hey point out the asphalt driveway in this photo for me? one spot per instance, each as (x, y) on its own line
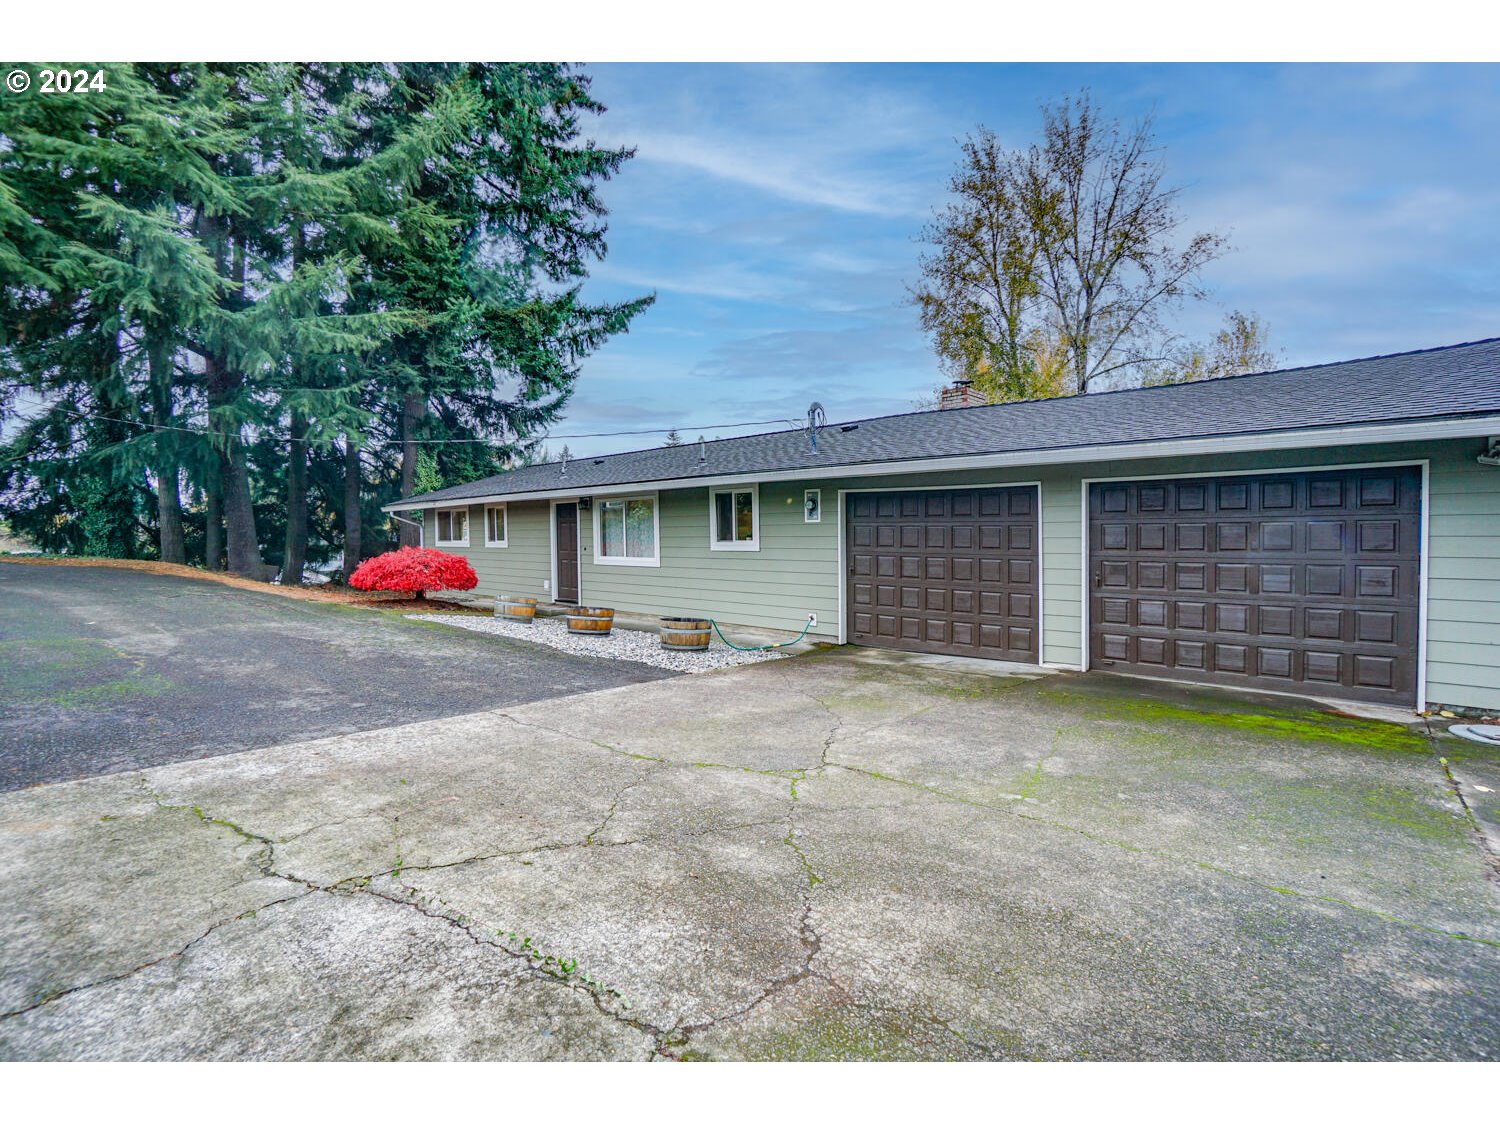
(105, 670)
(835, 856)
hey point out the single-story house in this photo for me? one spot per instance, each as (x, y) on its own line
(1327, 531)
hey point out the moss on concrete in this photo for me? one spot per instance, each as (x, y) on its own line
(843, 1035)
(1224, 715)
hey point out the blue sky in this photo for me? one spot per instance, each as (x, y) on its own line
(776, 211)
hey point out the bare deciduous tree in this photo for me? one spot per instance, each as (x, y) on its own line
(1053, 266)
(1241, 347)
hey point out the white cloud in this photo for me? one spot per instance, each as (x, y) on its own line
(781, 172)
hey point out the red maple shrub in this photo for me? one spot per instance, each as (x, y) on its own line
(414, 570)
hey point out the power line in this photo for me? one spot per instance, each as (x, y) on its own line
(439, 441)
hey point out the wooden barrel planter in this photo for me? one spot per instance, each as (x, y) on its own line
(512, 608)
(590, 621)
(685, 634)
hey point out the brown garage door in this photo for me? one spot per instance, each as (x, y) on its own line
(1306, 582)
(950, 571)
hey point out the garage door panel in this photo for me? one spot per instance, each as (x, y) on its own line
(1277, 580)
(968, 566)
(1278, 621)
(1191, 615)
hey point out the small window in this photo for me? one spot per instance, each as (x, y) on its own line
(625, 530)
(453, 527)
(734, 519)
(494, 525)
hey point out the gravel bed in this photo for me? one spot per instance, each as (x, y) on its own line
(621, 644)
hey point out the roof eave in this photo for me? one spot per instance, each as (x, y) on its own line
(1365, 433)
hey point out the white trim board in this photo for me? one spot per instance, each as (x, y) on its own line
(504, 540)
(597, 556)
(437, 539)
(751, 544)
(1041, 558)
(1312, 438)
(1085, 640)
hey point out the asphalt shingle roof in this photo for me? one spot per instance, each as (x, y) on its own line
(1455, 381)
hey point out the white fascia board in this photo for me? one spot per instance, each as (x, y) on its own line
(1366, 434)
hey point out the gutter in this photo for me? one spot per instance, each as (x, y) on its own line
(421, 531)
(1361, 434)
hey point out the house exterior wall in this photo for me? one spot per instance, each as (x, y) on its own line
(794, 573)
(796, 570)
(1462, 562)
(518, 568)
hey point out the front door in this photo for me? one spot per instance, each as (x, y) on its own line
(567, 552)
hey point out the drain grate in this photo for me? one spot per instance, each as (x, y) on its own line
(1489, 735)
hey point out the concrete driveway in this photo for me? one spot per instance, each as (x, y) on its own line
(106, 670)
(833, 856)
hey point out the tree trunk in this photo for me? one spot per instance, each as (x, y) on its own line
(239, 510)
(109, 522)
(294, 553)
(353, 514)
(170, 539)
(225, 383)
(213, 492)
(239, 514)
(296, 503)
(413, 410)
(169, 516)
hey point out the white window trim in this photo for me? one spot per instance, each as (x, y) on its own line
(597, 554)
(438, 539)
(502, 541)
(808, 493)
(751, 544)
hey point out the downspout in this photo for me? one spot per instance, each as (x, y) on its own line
(413, 522)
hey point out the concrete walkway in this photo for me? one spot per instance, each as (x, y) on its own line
(819, 857)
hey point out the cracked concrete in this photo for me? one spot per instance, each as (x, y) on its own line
(813, 858)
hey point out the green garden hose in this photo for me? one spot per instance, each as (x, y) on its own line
(759, 648)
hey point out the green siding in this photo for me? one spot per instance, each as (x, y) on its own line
(1463, 564)
(794, 573)
(1463, 580)
(519, 568)
(796, 570)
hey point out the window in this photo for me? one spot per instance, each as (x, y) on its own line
(452, 527)
(734, 519)
(494, 525)
(625, 531)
